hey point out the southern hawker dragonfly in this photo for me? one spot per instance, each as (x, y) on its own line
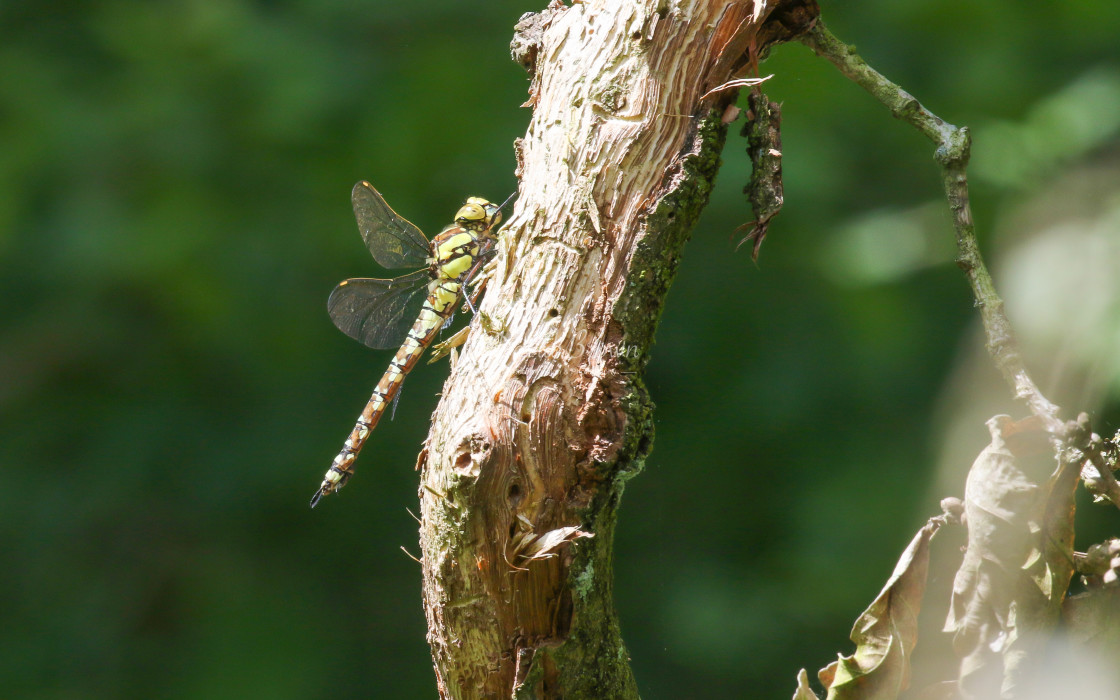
(407, 311)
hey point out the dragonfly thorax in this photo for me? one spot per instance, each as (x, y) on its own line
(456, 249)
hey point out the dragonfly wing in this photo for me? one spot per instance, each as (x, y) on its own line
(392, 240)
(378, 313)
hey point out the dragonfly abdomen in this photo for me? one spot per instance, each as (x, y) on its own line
(443, 294)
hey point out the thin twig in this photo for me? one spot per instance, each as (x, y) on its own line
(953, 150)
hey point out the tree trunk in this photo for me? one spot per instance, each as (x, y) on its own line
(545, 416)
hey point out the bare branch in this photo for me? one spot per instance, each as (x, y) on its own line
(953, 151)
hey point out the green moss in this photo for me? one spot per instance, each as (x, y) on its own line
(657, 258)
(585, 580)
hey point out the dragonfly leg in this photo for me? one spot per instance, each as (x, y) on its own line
(441, 350)
(477, 280)
(396, 400)
(484, 263)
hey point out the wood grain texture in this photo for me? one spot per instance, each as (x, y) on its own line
(540, 425)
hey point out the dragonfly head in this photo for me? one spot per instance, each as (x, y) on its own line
(478, 214)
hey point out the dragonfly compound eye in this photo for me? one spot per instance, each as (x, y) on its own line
(475, 212)
(470, 213)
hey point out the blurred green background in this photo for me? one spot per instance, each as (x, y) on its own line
(174, 182)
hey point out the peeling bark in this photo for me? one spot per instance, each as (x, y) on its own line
(545, 416)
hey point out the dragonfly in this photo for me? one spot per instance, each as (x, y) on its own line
(405, 312)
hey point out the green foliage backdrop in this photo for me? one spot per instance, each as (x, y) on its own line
(174, 183)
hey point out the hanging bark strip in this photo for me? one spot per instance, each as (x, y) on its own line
(764, 146)
(541, 423)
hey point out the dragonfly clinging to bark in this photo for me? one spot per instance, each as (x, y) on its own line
(406, 311)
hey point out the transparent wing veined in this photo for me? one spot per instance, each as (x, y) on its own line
(378, 313)
(393, 240)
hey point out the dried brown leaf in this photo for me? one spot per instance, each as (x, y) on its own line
(1007, 574)
(804, 692)
(886, 633)
(942, 690)
(545, 546)
(1092, 619)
